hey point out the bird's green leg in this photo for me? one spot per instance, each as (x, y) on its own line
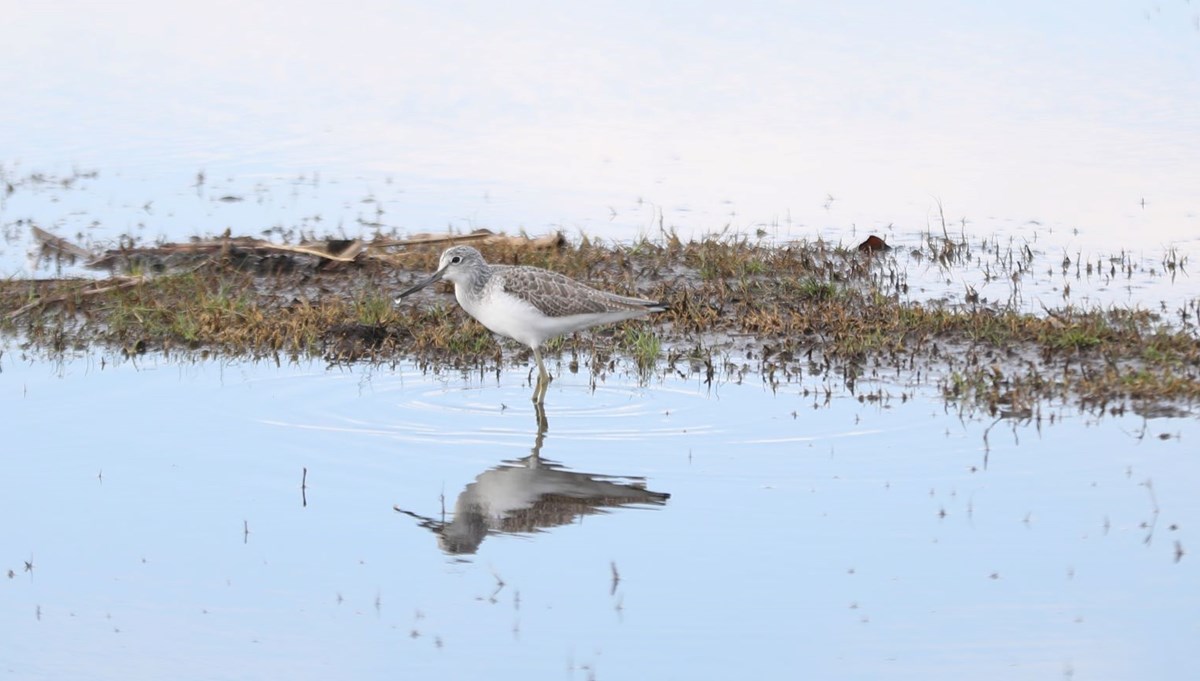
(543, 382)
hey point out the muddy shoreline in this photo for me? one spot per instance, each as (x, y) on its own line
(739, 310)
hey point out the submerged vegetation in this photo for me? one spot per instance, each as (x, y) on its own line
(808, 315)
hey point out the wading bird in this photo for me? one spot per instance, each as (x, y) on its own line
(529, 304)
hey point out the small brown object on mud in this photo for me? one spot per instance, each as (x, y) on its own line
(873, 244)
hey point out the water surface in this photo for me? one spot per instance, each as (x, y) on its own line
(162, 509)
(1075, 120)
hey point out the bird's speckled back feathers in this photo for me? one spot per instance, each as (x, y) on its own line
(556, 295)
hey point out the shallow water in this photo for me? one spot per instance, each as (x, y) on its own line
(1075, 121)
(162, 509)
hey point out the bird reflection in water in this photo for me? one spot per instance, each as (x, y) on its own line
(529, 495)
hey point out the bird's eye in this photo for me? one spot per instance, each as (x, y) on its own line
(456, 259)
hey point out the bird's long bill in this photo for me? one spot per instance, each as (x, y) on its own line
(435, 277)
